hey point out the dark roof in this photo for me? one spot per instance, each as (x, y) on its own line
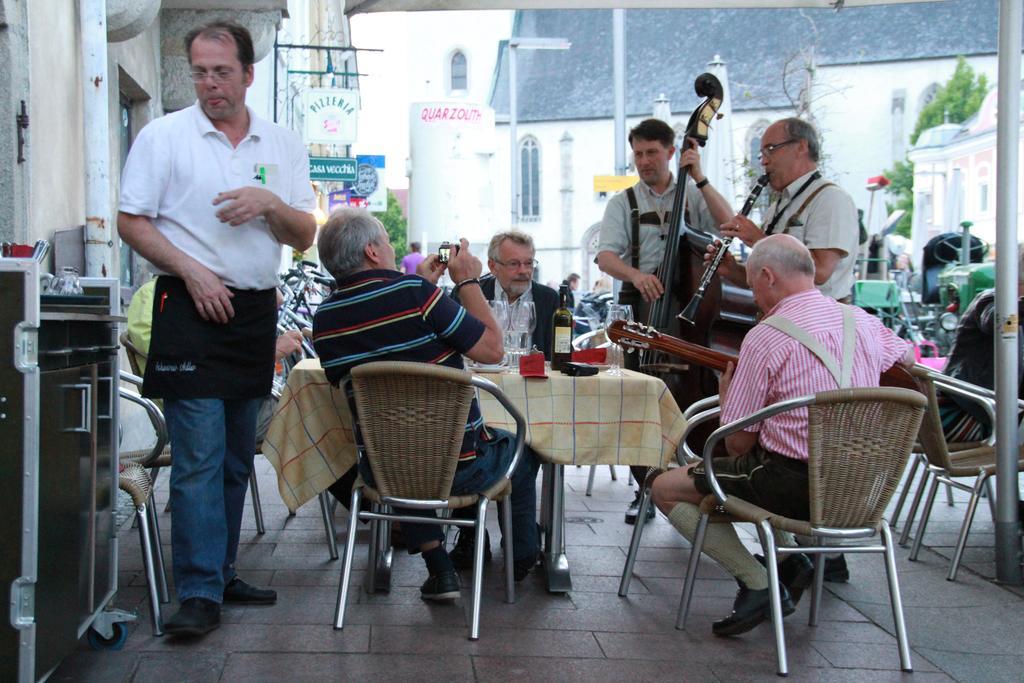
(667, 49)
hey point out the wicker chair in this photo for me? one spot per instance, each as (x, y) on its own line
(858, 442)
(945, 465)
(412, 418)
(134, 478)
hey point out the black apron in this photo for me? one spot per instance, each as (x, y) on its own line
(192, 358)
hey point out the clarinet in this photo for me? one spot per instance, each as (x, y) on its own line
(689, 313)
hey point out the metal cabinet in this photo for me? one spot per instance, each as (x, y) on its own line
(58, 467)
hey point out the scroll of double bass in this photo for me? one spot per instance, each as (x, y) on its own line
(644, 338)
(708, 87)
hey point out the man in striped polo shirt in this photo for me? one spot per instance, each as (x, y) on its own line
(378, 314)
(767, 462)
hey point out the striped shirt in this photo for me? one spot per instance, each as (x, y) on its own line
(382, 315)
(775, 367)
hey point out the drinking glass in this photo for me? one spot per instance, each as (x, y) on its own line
(522, 323)
(66, 283)
(615, 352)
(500, 311)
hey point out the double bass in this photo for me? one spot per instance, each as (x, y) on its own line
(727, 313)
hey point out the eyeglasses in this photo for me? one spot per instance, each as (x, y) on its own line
(217, 75)
(767, 150)
(516, 265)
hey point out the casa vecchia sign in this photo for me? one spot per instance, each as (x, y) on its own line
(331, 115)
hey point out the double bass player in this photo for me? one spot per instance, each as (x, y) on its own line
(633, 256)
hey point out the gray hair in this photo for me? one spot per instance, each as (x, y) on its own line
(344, 238)
(511, 235)
(798, 129)
(784, 254)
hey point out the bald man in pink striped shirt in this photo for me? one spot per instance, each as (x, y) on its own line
(767, 462)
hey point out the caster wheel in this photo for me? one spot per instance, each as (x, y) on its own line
(115, 642)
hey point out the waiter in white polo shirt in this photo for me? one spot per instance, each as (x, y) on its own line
(209, 196)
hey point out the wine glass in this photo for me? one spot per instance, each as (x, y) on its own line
(522, 324)
(615, 353)
(501, 313)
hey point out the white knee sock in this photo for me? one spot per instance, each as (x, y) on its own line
(723, 546)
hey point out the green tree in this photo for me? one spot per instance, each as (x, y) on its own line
(956, 101)
(396, 225)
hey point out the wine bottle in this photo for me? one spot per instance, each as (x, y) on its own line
(561, 324)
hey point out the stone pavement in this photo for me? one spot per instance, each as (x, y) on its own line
(970, 630)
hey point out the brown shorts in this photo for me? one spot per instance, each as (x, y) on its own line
(772, 481)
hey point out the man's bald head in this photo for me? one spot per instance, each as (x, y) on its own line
(779, 266)
(784, 254)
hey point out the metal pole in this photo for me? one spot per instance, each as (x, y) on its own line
(274, 67)
(1008, 540)
(513, 153)
(619, 78)
(99, 241)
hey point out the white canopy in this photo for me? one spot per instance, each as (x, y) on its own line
(357, 6)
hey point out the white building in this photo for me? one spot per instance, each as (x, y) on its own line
(955, 177)
(867, 84)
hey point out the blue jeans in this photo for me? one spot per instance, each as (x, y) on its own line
(476, 476)
(213, 442)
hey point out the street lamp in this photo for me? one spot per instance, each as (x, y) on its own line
(513, 45)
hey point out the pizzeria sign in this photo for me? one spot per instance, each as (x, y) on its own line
(330, 115)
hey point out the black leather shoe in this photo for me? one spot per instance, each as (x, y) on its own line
(195, 618)
(521, 568)
(441, 586)
(796, 573)
(750, 609)
(634, 509)
(238, 592)
(465, 545)
(836, 570)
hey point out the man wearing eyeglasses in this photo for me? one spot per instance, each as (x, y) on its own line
(816, 211)
(209, 195)
(510, 258)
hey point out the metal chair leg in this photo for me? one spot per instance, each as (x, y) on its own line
(896, 600)
(908, 481)
(915, 505)
(949, 495)
(926, 514)
(257, 505)
(990, 493)
(691, 571)
(157, 550)
(329, 529)
(634, 542)
(590, 479)
(505, 509)
(147, 563)
(346, 563)
(370, 579)
(816, 588)
(478, 566)
(764, 531)
(611, 470)
(965, 528)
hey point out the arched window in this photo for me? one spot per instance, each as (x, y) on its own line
(529, 179)
(458, 78)
(927, 95)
